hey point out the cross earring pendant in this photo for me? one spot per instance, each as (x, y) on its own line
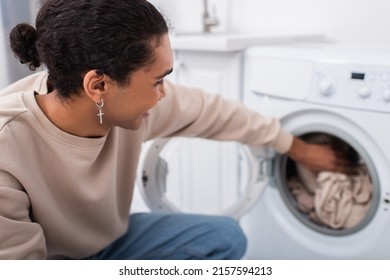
(100, 107)
(100, 115)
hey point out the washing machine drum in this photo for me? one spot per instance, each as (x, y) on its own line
(329, 202)
(201, 176)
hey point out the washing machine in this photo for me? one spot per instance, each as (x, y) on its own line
(341, 93)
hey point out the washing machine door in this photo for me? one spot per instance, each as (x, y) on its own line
(202, 176)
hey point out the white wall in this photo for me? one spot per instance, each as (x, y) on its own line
(11, 13)
(364, 22)
(186, 15)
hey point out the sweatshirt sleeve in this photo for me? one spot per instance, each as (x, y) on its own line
(20, 238)
(191, 112)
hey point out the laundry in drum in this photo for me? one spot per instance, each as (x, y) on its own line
(331, 199)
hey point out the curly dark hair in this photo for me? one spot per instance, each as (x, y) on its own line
(114, 37)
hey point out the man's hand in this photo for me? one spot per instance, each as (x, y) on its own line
(319, 157)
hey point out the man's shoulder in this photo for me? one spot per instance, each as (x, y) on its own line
(35, 82)
(10, 107)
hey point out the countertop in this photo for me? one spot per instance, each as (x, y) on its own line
(230, 42)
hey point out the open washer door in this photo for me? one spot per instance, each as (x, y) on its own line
(202, 176)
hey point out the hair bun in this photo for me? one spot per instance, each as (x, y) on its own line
(22, 40)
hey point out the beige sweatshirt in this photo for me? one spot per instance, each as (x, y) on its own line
(63, 196)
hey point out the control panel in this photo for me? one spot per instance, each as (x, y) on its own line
(357, 86)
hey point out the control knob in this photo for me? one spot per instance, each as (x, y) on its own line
(386, 95)
(326, 87)
(364, 92)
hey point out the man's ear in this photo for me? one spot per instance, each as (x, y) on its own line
(95, 85)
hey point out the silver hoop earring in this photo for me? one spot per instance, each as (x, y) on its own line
(100, 107)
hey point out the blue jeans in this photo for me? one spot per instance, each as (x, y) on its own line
(176, 237)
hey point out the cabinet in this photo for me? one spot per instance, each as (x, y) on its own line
(215, 72)
(204, 176)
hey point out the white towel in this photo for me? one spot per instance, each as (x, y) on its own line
(332, 199)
